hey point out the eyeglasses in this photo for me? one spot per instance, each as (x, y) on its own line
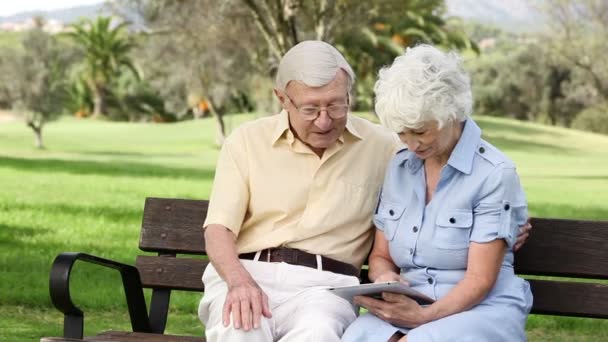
(311, 113)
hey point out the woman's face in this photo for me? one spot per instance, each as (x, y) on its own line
(429, 141)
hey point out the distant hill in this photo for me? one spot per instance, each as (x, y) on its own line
(509, 15)
(66, 15)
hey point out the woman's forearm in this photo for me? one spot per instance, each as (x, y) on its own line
(466, 294)
(379, 265)
(484, 264)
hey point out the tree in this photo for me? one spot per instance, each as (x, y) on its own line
(577, 35)
(388, 25)
(387, 29)
(107, 54)
(37, 83)
(216, 57)
(210, 57)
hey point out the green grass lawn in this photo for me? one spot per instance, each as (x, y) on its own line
(10, 39)
(86, 192)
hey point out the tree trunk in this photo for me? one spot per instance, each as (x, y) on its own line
(221, 127)
(37, 133)
(99, 101)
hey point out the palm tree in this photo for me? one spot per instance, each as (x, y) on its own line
(106, 56)
(392, 26)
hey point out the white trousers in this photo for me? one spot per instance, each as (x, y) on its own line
(302, 310)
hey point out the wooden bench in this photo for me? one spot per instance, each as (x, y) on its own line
(561, 248)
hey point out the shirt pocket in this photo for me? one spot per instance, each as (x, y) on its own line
(453, 229)
(389, 214)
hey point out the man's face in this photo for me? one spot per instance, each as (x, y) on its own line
(322, 132)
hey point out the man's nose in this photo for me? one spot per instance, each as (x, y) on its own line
(323, 122)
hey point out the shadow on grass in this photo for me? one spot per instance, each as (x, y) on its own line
(113, 214)
(135, 154)
(114, 168)
(568, 211)
(12, 236)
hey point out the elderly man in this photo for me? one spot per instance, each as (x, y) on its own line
(291, 208)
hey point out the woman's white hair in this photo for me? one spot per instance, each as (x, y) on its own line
(423, 85)
(314, 63)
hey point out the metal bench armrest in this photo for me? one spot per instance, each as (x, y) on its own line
(59, 287)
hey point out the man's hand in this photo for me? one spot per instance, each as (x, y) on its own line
(247, 302)
(396, 309)
(524, 233)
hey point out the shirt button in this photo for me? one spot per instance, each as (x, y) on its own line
(452, 220)
(415, 229)
(411, 251)
(482, 149)
(391, 212)
(430, 280)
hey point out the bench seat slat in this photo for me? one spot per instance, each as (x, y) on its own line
(570, 298)
(127, 336)
(565, 248)
(173, 226)
(171, 273)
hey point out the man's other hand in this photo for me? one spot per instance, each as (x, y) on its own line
(247, 303)
(524, 233)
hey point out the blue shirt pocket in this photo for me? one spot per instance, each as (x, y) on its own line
(453, 229)
(388, 217)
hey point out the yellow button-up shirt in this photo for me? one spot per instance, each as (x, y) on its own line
(272, 190)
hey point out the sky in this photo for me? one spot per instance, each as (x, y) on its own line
(10, 7)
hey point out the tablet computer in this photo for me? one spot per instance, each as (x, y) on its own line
(376, 289)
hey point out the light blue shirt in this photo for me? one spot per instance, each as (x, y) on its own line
(478, 198)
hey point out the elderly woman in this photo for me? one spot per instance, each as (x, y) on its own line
(447, 216)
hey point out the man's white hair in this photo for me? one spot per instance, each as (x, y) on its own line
(423, 85)
(314, 63)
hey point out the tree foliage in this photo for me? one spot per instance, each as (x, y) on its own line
(34, 78)
(209, 59)
(106, 55)
(577, 35)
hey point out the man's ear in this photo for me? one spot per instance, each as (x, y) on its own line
(281, 97)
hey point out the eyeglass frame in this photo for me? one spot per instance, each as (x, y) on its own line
(315, 116)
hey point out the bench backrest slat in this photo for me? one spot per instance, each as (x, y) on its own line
(171, 273)
(556, 247)
(570, 298)
(173, 226)
(565, 248)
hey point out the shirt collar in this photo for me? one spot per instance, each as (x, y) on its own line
(461, 157)
(282, 129)
(464, 152)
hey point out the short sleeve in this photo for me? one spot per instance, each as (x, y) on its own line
(378, 219)
(501, 208)
(230, 193)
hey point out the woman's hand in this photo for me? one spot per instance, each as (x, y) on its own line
(396, 309)
(390, 276)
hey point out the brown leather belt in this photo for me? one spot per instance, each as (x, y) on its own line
(298, 257)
